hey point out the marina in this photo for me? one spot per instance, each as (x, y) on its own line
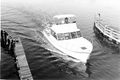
(37, 54)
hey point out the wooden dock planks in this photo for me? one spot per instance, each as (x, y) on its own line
(24, 72)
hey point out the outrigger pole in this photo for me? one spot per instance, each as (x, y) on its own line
(45, 15)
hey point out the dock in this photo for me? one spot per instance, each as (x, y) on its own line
(17, 53)
(24, 72)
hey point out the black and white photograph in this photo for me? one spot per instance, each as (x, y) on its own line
(60, 40)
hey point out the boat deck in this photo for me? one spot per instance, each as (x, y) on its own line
(107, 30)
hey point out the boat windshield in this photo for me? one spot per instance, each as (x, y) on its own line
(53, 34)
(60, 36)
(70, 35)
(64, 20)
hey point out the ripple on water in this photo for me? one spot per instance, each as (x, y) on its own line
(43, 58)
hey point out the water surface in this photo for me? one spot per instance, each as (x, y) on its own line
(23, 16)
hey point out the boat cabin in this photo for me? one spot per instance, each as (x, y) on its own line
(65, 28)
(66, 36)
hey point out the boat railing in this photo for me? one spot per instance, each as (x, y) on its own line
(111, 32)
(101, 26)
(107, 30)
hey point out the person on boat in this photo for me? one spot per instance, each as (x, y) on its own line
(66, 20)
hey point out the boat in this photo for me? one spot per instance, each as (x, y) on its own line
(64, 35)
(107, 31)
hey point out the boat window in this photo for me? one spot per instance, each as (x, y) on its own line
(74, 35)
(60, 36)
(53, 34)
(67, 36)
(58, 21)
(79, 34)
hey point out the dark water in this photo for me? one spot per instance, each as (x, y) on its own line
(23, 16)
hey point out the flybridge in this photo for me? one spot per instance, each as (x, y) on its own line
(64, 16)
(64, 27)
(64, 19)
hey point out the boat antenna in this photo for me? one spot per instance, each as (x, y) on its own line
(45, 15)
(56, 8)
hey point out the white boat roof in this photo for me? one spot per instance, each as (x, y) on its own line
(64, 28)
(64, 15)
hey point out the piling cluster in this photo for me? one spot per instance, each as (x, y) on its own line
(8, 44)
